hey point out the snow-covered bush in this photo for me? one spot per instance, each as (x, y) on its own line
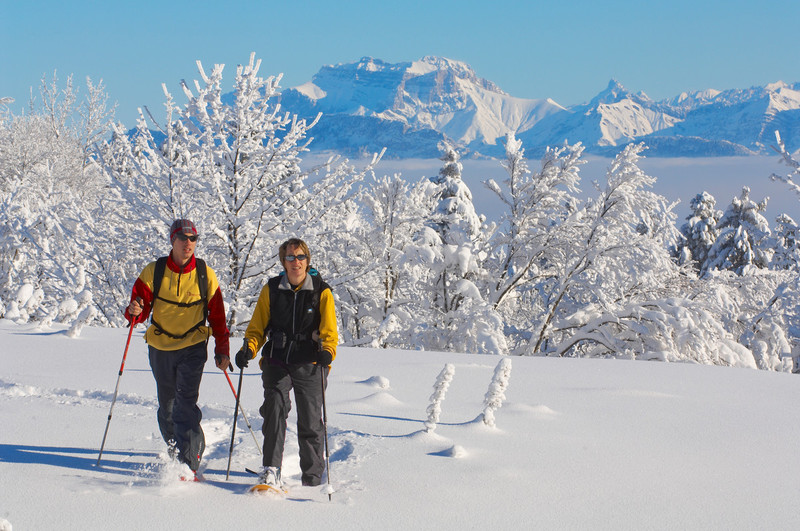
(496, 393)
(669, 329)
(86, 313)
(439, 392)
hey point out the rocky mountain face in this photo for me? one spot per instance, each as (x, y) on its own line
(410, 107)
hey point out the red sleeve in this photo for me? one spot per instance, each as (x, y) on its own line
(219, 326)
(140, 289)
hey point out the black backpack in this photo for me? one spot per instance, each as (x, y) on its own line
(202, 281)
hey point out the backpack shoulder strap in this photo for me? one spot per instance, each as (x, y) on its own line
(158, 276)
(319, 287)
(202, 281)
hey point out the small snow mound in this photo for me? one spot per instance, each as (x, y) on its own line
(5, 525)
(540, 410)
(381, 398)
(543, 411)
(380, 382)
(328, 489)
(457, 451)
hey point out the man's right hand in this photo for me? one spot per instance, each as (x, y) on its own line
(243, 357)
(135, 307)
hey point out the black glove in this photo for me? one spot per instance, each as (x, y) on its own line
(218, 359)
(243, 357)
(324, 357)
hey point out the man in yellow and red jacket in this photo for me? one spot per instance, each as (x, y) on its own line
(177, 337)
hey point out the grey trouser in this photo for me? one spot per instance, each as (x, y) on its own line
(178, 374)
(307, 379)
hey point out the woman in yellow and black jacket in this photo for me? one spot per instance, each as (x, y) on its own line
(295, 323)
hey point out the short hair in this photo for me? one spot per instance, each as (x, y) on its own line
(295, 242)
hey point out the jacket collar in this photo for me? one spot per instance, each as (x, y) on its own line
(190, 265)
(308, 283)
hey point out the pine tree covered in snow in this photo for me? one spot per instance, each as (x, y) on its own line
(700, 230)
(787, 244)
(439, 392)
(458, 315)
(742, 243)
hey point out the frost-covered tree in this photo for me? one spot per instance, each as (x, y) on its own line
(787, 244)
(791, 178)
(611, 253)
(458, 315)
(767, 315)
(378, 295)
(774, 334)
(700, 230)
(743, 240)
(231, 162)
(51, 212)
(535, 207)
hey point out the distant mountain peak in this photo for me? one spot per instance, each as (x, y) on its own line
(777, 86)
(434, 94)
(615, 92)
(410, 106)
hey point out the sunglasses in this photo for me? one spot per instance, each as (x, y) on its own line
(292, 258)
(183, 237)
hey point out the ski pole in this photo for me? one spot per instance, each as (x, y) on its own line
(233, 430)
(116, 390)
(241, 409)
(325, 428)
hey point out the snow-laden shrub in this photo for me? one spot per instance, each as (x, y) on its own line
(87, 313)
(774, 333)
(672, 329)
(496, 393)
(439, 392)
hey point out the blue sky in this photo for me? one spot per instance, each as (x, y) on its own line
(567, 51)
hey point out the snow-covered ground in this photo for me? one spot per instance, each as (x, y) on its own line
(578, 444)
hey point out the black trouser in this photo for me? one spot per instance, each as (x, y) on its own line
(178, 374)
(307, 380)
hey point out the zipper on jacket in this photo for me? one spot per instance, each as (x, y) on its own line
(294, 315)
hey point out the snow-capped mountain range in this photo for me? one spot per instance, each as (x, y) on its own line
(409, 107)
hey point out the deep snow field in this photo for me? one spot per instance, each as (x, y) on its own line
(578, 444)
